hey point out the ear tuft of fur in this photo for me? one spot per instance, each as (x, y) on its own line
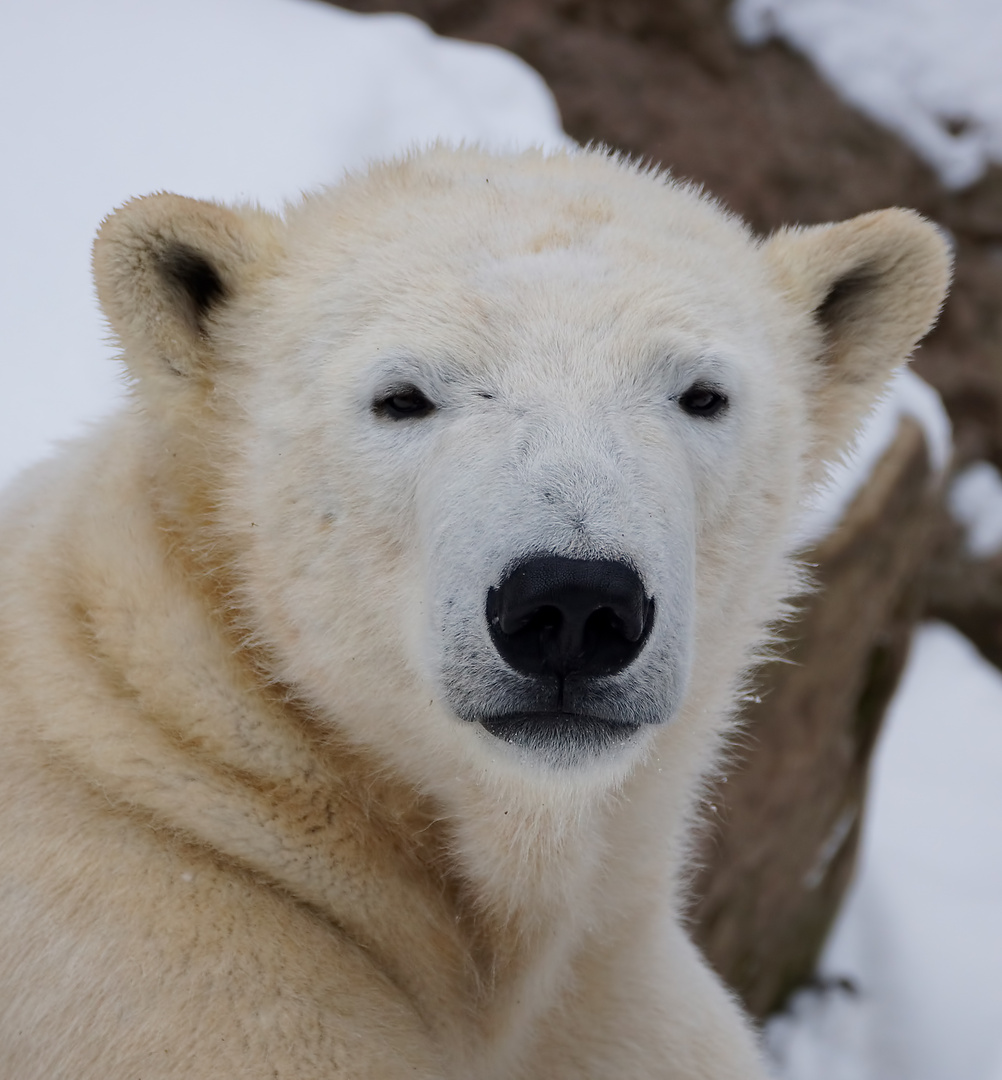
(196, 282)
(165, 266)
(873, 287)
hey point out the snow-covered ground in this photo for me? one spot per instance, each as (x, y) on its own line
(920, 937)
(927, 69)
(975, 501)
(262, 98)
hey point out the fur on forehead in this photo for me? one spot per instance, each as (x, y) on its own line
(458, 241)
(530, 202)
(501, 237)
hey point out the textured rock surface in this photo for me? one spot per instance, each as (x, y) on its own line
(667, 79)
(966, 591)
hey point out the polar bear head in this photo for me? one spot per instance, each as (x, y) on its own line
(494, 459)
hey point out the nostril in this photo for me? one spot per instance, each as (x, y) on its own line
(558, 616)
(606, 624)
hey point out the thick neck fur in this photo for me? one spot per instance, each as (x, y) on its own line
(205, 749)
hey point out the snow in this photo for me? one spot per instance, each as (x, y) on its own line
(975, 501)
(919, 937)
(263, 98)
(926, 69)
(907, 395)
(225, 99)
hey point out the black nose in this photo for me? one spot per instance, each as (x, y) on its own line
(556, 616)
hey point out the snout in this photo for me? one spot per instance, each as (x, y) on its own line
(555, 617)
(566, 626)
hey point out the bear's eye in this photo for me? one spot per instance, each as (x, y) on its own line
(407, 403)
(703, 401)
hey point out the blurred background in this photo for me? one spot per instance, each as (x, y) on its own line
(850, 882)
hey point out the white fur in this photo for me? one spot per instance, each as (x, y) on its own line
(251, 826)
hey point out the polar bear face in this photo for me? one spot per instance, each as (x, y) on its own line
(500, 455)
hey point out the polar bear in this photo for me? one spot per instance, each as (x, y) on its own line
(358, 681)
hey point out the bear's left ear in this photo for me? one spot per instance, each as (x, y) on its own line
(166, 266)
(872, 287)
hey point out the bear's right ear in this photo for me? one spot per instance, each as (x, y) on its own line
(871, 288)
(165, 267)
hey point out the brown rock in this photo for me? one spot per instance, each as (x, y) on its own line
(962, 357)
(966, 591)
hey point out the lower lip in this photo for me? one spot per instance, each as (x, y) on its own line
(550, 729)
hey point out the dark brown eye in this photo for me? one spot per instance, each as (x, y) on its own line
(703, 401)
(407, 403)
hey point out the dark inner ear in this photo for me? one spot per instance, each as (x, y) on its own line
(195, 281)
(843, 296)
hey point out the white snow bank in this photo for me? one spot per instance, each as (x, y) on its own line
(225, 99)
(920, 935)
(926, 69)
(822, 1036)
(907, 395)
(975, 501)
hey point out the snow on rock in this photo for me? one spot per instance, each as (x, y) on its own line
(919, 936)
(975, 501)
(906, 395)
(224, 99)
(926, 69)
(823, 1035)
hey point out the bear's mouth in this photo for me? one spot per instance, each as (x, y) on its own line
(564, 735)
